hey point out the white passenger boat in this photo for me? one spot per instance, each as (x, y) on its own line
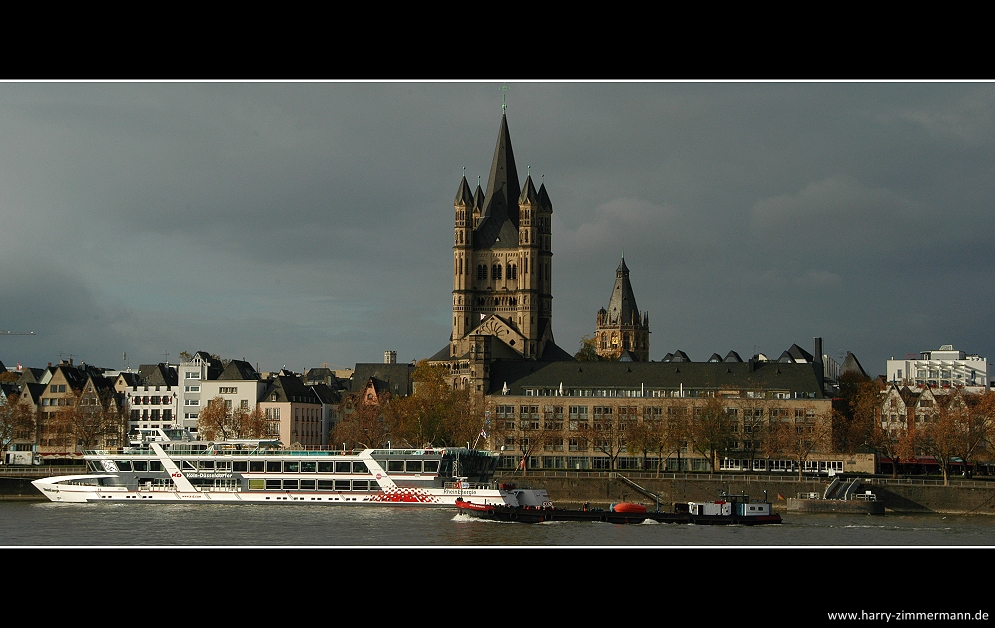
(261, 471)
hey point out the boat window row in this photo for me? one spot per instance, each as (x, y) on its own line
(313, 485)
(412, 466)
(290, 466)
(352, 467)
(102, 466)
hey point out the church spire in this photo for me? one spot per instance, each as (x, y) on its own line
(503, 188)
(463, 194)
(622, 328)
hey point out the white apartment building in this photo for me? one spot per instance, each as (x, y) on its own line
(943, 367)
(239, 385)
(191, 377)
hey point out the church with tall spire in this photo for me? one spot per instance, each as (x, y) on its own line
(502, 272)
(622, 331)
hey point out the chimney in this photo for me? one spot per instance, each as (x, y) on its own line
(819, 366)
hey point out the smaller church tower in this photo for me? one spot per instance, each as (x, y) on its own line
(622, 331)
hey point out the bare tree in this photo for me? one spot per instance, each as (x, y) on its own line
(367, 425)
(87, 423)
(436, 413)
(957, 427)
(939, 434)
(222, 421)
(711, 429)
(17, 421)
(808, 433)
(606, 433)
(896, 441)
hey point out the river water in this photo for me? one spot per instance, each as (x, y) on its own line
(45, 524)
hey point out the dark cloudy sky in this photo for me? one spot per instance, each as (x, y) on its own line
(306, 223)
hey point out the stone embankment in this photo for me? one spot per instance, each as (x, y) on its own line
(899, 496)
(18, 489)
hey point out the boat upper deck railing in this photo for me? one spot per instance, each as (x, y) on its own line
(190, 449)
(268, 448)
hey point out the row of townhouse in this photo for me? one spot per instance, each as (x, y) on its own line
(78, 407)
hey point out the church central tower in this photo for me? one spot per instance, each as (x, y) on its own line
(623, 332)
(502, 262)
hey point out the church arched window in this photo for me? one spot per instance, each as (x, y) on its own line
(481, 271)
(512, 271)
(496, 271)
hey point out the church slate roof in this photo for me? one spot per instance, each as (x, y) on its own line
(794, 378)
(498, 226)
(622, 304)
(463, 194)
(478, 197)
(529, 192)
(544, 197)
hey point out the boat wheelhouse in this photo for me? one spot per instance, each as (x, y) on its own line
(262, 471)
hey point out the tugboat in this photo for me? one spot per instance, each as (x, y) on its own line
(731, 509)
(727, 510)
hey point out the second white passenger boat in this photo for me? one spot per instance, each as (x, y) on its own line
(174, 468)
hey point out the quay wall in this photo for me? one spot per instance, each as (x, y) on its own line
(18, 489)
(972, 497)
